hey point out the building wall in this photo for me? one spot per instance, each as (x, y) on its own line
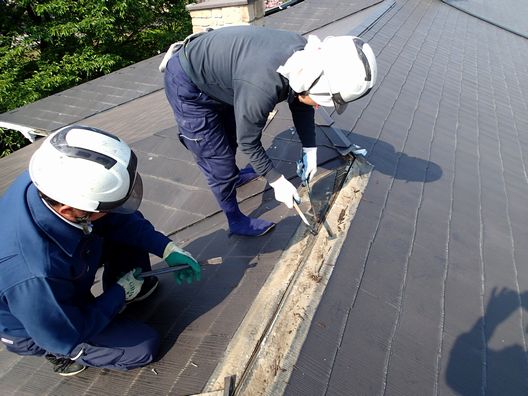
(215, 13)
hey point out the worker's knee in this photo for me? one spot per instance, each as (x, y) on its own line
(144, 353)
(122, 346)
(140, 354)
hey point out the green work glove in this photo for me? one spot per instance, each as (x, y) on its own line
(131, 283)
(174, 255)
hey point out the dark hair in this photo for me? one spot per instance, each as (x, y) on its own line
(49, 200)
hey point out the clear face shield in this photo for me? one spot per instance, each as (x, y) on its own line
(130, 203)
(132, 200)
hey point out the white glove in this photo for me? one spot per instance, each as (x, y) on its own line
(130, 284)
(309, 163)
(285, 192)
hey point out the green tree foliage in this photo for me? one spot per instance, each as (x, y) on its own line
(10, 141)
(47, 46)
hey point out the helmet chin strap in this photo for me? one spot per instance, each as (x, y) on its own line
(85, 223)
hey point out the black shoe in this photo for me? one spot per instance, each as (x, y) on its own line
(150, 284)
(64, 366)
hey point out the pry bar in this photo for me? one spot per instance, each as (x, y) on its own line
(303, 218)
(166, 270)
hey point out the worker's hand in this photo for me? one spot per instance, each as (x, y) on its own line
(174, 255)
(131, 283)
(285, 192)
(307, 165)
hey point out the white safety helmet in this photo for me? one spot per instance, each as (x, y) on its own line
(88, 169)
(349, 72)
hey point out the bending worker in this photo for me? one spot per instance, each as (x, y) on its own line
(74, 210)
(223, 84)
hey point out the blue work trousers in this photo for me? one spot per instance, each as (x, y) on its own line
(124, 344)
(206, 128)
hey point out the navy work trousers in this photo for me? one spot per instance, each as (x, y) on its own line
(124, 344)
(206, 128)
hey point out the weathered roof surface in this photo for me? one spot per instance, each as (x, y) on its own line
(313, 15)
(429, 294)
(197, 321)
(140, 79)
(429, 291)
(507, 14)
(96, 96)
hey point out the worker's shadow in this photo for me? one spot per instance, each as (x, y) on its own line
(401, 166)
(475, 368)
(285, 149)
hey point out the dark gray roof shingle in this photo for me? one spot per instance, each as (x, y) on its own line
(416, 302)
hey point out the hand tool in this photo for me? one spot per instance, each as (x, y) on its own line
(306, 183)
(166, 270)
(303, 218)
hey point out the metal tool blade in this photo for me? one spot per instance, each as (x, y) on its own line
(303, 218)
(165, 270)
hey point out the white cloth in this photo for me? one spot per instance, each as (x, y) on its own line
(170, 52)
(321, 93)
(303, 67)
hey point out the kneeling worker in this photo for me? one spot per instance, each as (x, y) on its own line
(75, 210)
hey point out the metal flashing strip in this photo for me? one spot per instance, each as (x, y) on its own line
(267, 343)
(29, 133)
(372, 19)
(340, 141)
(337, 137)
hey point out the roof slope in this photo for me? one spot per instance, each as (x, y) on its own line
(196, 322)
(430, 291)
(313, 15)
(93, 97)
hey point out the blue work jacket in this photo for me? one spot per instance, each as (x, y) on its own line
(47, 268)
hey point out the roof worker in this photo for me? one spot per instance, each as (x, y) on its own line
(75, 210)
(222, 85)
